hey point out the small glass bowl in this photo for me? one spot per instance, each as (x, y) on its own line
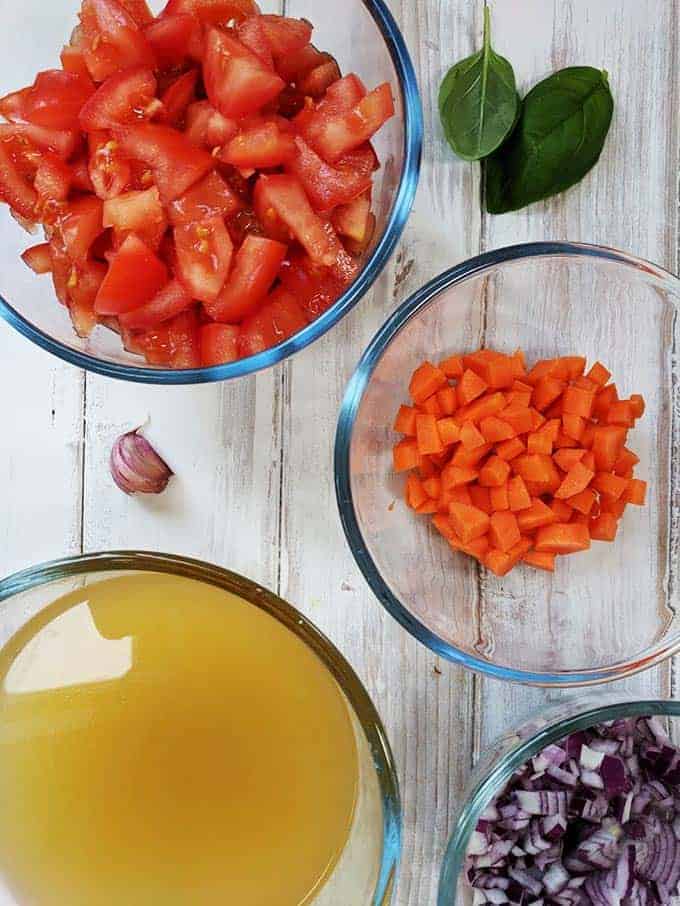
(362, 35)
(517, 747)
(365, 872)
(605, 613)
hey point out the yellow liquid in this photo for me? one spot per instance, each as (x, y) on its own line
(162, 742)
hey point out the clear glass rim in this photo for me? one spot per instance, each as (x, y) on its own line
(495, 780)
(349, 409)
(374, 264)
(294, 621)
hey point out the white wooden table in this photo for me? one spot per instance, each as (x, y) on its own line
(254, 459)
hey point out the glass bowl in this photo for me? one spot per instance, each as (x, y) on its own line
(605, 613)
(518, 746)
(365, 872)
(363, 36)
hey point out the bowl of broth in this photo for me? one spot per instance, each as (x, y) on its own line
(171, 732)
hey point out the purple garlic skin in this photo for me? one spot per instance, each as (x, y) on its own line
(136, 468)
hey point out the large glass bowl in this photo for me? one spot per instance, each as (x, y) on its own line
(518, 746)
(365, 872)
(603, 614)
(364, 38)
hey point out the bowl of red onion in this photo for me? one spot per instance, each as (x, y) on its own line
(580, 806)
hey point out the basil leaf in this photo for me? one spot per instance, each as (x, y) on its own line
(561, 131)
(478, 101)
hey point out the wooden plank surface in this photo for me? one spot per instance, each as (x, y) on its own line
(254, 459)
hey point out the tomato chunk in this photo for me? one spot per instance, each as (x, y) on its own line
(172, 299)
(184, 340)
(176, 164)
(285, 35)
(334, 134)
(109, 172)
(280, 318)
(177, 97)
(139, 212)
(56, 99)
(60, 141)
(37, 257)
(114, 39)
(84, 283)
(209, 197)
(326, 186)
(236, 80)
(80, 227)
(255, 268)
(314, 287)
(134, 276)
(53, 178)
(204, 251)
(206, 127)
(12, 105)
(260, 146)
(213, 11)
(219, 344)
(121, 99)
(171, 38)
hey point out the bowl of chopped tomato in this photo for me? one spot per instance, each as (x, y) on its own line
(505, 464)
(210, 185)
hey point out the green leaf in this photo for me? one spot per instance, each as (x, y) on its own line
(478, 101)
(561, 131)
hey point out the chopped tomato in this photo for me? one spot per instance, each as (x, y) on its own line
(255, 268)
(326, 186)
(177, 97)
(252, 35)
(352, 220)
(206, 127)
(136, 212)
(73, 60)
(122, 98)
(56, 99)
(139, 10)
(38, 258)
(176, 164)
(315, 288)
(53, 178)
(134, 276)
(210, 12)
(12, 105)
(204, 251)
(62, 268)
(114, 39)
(286, 35)
(171, 38)
(294, 66)
(184, 340)
(280, 318)
(108, 170)
(318, 80)
(219, 344)
(60, 141)
(172, 299)
(334, 134)
(83, 285)
(208, 198)
(287, 197)
(260, 146)
(80, 177)
(237, 82)
(80, 226)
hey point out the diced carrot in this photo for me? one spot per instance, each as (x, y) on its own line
(439, 459)
(562, 538)
(636, 492)
(447, 399)
(449, 431)
(452, 476)
(476, 411)
(498, 497)
(427, 434)
(609, 505)
(638, 403)
(498, 562)
(443, 524)
(504, 532)
(546, 391)
(470, 436)
(452, 367)
(425, 381)
(433, 487)
(497, 371)
(563, 441)
(555, 410)
(476, 548)
(415, 492)
(609, 484)
(568, 457)
(519, 397)
(576, 480)
(542, 369)
(598, 374)
(537, 467)
(460, 494)
(537, 420)
(480, 498)
(573, 426)
(585, 383)
(551, 428)
(431, 406)
(579, 519)
(573, 365)
(583, 502)
(621, 413)
(428, 508)
(405, 455)
(496, 430)
(588, 435)
(603, 400)
(426, 468)
(577, 401)
(539, 442)
(588, 460)
(561, 509)
(518, 417)
(604, 527)
(405, 422)
(470, 387)
(523, 386)
(626, 461)
(518, 496)
(509, 449)
(608, 442)
(468, 458)
(519, 364)
(494, 472)
(538, 515)
(538, 560)
(468, 521)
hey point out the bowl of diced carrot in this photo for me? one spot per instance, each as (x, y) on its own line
(505, 464)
